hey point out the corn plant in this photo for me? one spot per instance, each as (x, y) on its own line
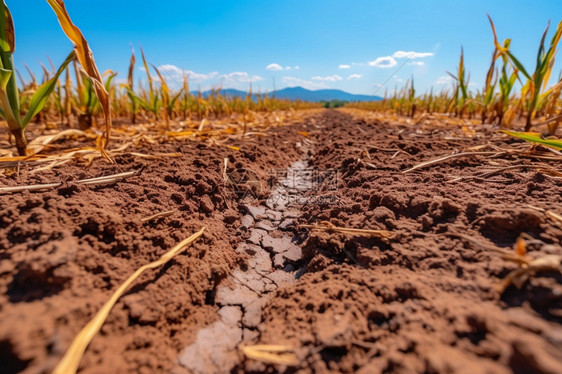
(147, 100)
(168, 102)
(506, 83)
(59, 101)
(86, 59)
(489, 88)
(461, 87)
(185, 102)
(429, 102)
(412, 98)
(536, 83)
(131, 83)
(9, 93)
(550, 104)
(87, 104)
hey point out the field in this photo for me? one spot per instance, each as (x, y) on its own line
(149, 229)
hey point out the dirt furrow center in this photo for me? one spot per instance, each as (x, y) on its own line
(273, 260)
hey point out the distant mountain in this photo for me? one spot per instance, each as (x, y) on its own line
(230, 92)
(299, 93)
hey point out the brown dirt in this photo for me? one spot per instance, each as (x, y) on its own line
(423, 302)
(63, 252)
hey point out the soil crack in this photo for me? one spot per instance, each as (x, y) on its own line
(273, 262)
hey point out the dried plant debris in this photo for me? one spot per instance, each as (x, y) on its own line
(71, 359)
(330, 227)
(527, 266)
(271, 354)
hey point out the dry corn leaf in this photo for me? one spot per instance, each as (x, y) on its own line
(551, 173)
(330, 227)
(86, 59)
(255, 133)
(553, 215)
(89, 181)
(158, 215)
(38, 144)
(519, 276)
(202, 125)
(469, 132)
(180, 133)
(71, 359)
(272, 354)
(520, 248)
(156, 156)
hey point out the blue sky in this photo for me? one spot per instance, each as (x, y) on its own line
(354, 45)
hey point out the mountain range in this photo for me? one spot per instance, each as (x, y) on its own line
(300, 93)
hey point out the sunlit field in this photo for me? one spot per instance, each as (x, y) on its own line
(259, 203)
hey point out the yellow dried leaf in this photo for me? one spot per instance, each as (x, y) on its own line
(179, 133)
(71, 359)
(86, 59)
(304, 133)
(468, 131)
(272, 354)
(202, 125)
(551, 172)
(10, 33)
(520, 247)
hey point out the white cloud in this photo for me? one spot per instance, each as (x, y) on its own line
(197, 77)
(330, 78)
(294, 81)
(240, 77)
(274, 67)
(354, 76)
(444, 79)
(417, 63)
(237, 79)
(344, 66)
(411, 54)
(383, 62)
(170, 69)
(277, 67)
(174, 73)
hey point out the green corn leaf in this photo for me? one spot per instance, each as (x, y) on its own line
(452, 76)
(7, 48)
(519, 65)
(540, 53)
(7, 34)
(175, 98)
(90, 97)
(149, 77)
(535, 137)
(5, 76)
(138, 99)
(40, 96)
(549, 57)
(109, 80)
